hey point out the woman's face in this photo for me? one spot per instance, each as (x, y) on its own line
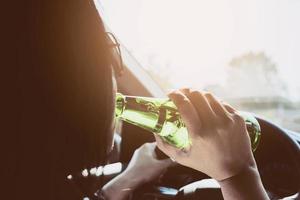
(117, 65)
(110, 137)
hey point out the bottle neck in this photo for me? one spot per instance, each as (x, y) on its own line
(140, 111)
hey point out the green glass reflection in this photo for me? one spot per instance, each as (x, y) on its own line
(160, 116)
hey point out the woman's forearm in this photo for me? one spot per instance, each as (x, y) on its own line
(142, 168)
(121, 186)
(246, 185)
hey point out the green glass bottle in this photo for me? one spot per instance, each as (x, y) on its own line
(160, 116)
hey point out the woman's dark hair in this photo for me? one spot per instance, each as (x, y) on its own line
(66, 96)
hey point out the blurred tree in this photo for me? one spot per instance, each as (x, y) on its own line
(254, 84)
(254, 75)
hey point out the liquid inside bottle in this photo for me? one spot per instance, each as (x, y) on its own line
(160, 116)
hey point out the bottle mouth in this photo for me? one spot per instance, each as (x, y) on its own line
(119, 106)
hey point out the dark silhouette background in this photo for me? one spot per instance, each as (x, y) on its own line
(58, 100)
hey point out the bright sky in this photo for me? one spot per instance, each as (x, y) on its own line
(192, 41)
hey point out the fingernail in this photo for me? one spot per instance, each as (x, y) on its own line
(185, 90)
(177, 97)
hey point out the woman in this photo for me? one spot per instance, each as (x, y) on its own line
(66, 101)
(66, 113)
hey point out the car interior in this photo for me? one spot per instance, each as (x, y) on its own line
(277, 156)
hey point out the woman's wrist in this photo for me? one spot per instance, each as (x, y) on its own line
(133, 178)
(121, 186)
(244, 185)
(247, 171)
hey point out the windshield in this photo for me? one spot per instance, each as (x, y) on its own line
(246, 52)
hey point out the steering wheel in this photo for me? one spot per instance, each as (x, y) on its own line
(277, 158)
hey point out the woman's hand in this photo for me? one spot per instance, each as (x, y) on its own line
(220, 143)
(143, 167)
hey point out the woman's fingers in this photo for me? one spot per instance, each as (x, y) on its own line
(201, 104)
(187, 112)
(229, 108)
(164, 147)
(185, 91)
(212, 106)
(174, 153)
(217, 107)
